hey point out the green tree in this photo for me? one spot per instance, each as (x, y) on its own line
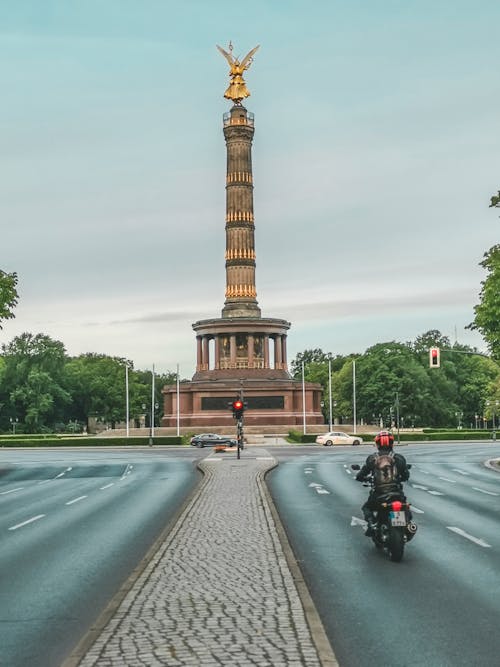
(8, 295)
(96, 383)
(316, 367)
(487, 312)
(32, 386)
(386, 374)
(310, 359)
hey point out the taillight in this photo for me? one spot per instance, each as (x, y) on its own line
(397, 505)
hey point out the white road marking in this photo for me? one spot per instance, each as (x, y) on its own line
(476, 540)
(349, 472)
(322, 491)
(436, 493)
(107, 486)
(264, 458)
(460, 472)
(415, 509)
(75, 500)
(127, 471)
(63, 473)
(445, 479)
(315, 484)
(4, 493)
(358, 522)
(25, 523)
(419, 486)
(489, 493)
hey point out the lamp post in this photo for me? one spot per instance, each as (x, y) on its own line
(330, 393)
(178, 407)
(458, 415)
(127, 409)
(303, 400)
(14, 421)
(152, 420)
(354, 393)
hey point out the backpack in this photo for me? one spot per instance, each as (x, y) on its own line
(385, 472)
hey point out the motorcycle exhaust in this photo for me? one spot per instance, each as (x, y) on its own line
(411, 530)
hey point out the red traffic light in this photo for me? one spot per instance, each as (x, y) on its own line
(237, 405)
(434, 360)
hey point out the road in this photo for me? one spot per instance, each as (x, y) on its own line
(439, 607)
(73, 525)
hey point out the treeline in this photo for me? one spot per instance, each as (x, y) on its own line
(42, 389)
(394, 379)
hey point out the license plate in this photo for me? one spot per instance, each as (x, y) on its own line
(398, 518)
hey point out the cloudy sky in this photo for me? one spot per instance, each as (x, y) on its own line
(376, 151)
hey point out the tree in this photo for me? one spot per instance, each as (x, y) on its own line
(385, 374)
(487, 312)
(8, 295)
(308, 358)
(32, 386)
(495, 200)
(96, 383)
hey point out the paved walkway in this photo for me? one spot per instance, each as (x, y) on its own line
(222, 589)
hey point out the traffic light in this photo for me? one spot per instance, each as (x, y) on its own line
(238, 408)
(434, 361)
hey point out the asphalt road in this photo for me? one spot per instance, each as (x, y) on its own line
(439, 607)
(73, 525)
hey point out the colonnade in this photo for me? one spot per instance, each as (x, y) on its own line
(238, 350)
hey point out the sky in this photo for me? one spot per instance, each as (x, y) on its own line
(376, 152)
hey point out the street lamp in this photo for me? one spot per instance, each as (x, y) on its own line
(14, 422)
(458, 415)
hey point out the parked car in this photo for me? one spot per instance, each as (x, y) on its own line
(338, 438)
(211, 439)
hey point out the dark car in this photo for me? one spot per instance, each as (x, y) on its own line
(211, 439)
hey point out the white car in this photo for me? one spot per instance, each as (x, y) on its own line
(338, 438)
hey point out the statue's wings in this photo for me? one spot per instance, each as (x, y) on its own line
(248, 57)
(228, 56)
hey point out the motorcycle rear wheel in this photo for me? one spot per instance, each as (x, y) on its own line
(396, 545)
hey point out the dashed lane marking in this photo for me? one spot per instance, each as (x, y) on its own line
(4, 493)
(75, 500)
(476, 540)
(25, 523)
(489, 493)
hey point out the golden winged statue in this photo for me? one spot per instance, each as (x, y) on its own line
(237, 89)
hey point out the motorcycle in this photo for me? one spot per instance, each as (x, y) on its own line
(394, 526)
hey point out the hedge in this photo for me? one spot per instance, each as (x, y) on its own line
(428, 435)
(82, 441)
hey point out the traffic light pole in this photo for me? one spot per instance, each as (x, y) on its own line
(238, 407)
(239, 432)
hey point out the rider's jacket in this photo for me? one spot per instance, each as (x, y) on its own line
(368, 468)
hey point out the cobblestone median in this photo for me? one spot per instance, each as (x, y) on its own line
(219, 590)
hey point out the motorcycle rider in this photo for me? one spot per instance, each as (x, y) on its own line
(384, 442)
